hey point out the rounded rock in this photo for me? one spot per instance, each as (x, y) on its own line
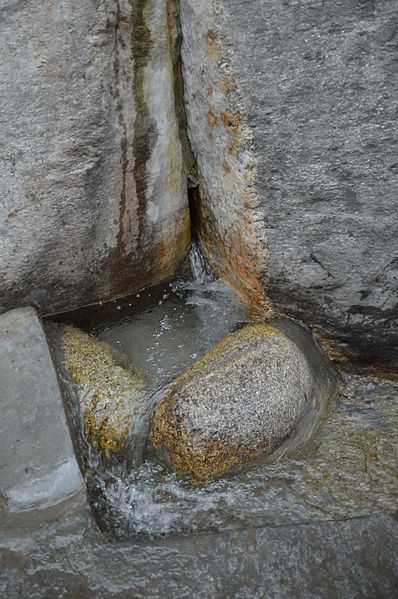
(238, 402)
(110, 388)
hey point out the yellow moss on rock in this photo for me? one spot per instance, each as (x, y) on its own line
(109, 388)
(189, 457)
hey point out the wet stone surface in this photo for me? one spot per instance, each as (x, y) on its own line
(340, 464)
(111, 391)
(349, 559)
(347, 470)
(178, 324)
(308, 525)
(239, 402)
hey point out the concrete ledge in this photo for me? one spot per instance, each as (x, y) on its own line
(38, 467)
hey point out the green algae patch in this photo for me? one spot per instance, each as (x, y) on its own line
(109, 388)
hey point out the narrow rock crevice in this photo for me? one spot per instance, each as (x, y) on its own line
(227, 218)
(175, 41)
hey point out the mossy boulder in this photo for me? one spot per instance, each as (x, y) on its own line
(240, 401)
(110, 389)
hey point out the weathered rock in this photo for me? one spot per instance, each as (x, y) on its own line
(349, 559)
(37, 462)
(62, 554)
(240, 401)
(109, 388)
(314, 86)
(93, 194)
(229, 216)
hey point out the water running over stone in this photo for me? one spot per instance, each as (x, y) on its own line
(172, 329)
(343, 469)
(169, 335)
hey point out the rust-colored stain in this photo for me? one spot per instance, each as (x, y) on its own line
(227, 85)
(244, 263)
(144, 126)
(230, 121)
(250, 201)
(141, 256)
(346, 357)
(234, 255)
(211, 118)
(226, 168)
(212, 45)
(124, 161)
(333, 349)
(211, 35)
(248, 175)
(173, 249)
(236, 143)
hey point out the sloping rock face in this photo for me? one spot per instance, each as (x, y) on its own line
(318, 89)
(241, 400)
(91, 177)
(38, 467)
(229, 216)
(110, 390)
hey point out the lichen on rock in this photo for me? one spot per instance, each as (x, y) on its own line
(239, 402)
(109, 387)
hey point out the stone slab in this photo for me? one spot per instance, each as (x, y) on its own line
(315, 86)
(349, 559)
(93, 194)
(37, 461)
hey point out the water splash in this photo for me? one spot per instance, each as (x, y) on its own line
(167, 336)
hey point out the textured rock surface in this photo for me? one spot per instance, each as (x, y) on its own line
(93, 196)
(352, 559)
(37, 462)
(319, 86)
(345, 470)
(239, 401)
(109, 388)
(347, 555)
(229, 217)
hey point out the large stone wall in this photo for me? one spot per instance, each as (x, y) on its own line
(291, 111)
(93, 195)
(317, 85)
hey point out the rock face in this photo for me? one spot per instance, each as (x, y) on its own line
(229, 216)
(38, 467)
(315, 86)
(109, 388)
(93, 194)
(241, 400)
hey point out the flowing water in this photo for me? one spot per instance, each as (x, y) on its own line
(328, 471)
(172, 332)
